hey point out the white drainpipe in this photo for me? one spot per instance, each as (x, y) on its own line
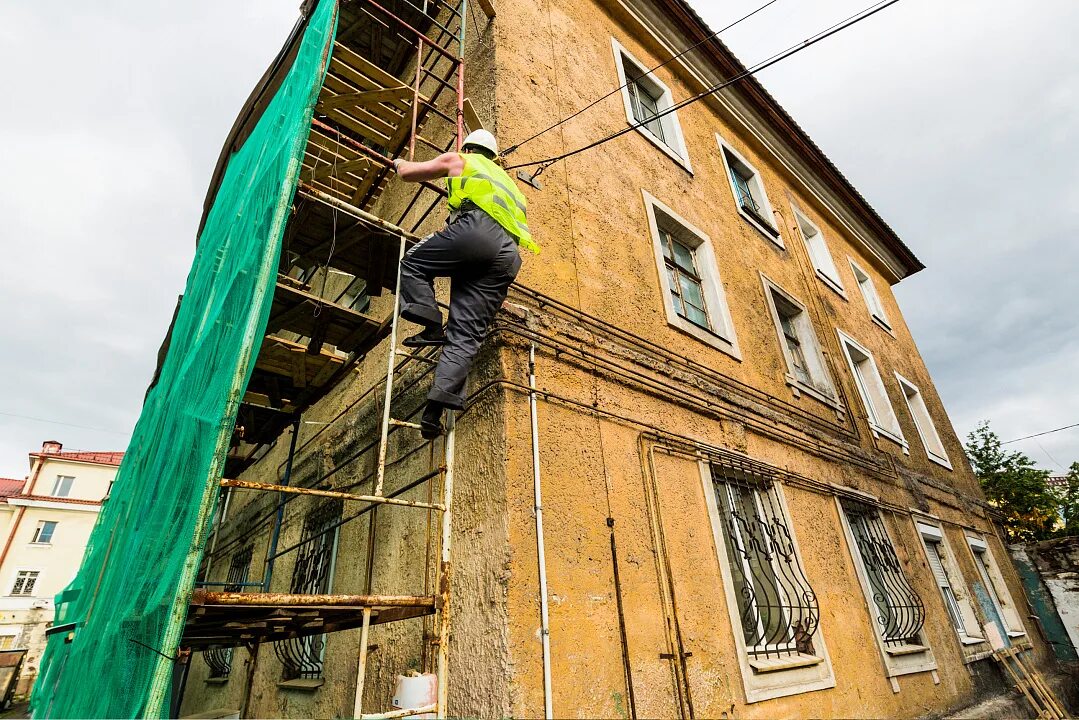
(548, 711)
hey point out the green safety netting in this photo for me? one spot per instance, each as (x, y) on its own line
(129, 600)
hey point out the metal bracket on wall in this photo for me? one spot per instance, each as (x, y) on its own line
(530, 179)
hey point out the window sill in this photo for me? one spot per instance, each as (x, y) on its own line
(769, 665)
(762, 226)
(883, 324)
(39, 544)
(899, 440)
(1016, 634)
(216, 680)
(943, 462)
(798, 387)
(669, 151)
(906, 650)
(308, 684)
(704, 335)
(971, 640)
(832, 284)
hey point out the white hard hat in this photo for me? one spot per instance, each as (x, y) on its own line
(482, 138)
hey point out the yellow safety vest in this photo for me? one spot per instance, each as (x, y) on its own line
(489, 188)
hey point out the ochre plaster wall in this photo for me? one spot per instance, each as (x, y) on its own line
(616, 380)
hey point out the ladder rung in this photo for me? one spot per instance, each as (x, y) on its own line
(331, 493)
(414, 356)
(402, 423)
(404, 712)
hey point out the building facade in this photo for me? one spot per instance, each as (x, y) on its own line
(45, 522)
(754, 503)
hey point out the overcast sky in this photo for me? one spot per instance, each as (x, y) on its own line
(957, 120)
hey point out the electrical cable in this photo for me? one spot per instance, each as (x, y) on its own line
(66, 424)
(513, 148)
(778, 57)
(1047, 432)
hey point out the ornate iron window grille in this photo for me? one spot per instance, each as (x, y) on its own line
(219, 660)
(776, 603)
(899, 609)
(312, 575)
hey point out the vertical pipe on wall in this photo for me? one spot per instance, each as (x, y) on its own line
(271, 555)
(545, 629)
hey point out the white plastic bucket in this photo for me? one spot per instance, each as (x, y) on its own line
(416, 691)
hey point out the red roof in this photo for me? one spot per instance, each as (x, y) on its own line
(101, 458)
(10, 486)
(52, 498)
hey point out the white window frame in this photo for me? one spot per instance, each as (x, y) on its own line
(929, 532)
(15, 579)
(997, 587)
(722, 334)
(37, 532)
(927, 429)
(57, 485)
(873, 303)
(817, 247)
(882, 421)
(918, 658)
(823, 388)
(673, 144)
(801, 673)
(756, 185)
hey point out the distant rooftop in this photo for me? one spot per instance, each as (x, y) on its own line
(10, 486)
(53, 448)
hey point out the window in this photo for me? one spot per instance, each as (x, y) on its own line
(645, 97)
(44, 531)
(956, 603)
(25, 581)
(993, 594)
(749, 193)
(882, 419)
(806, 368)
(872, 299)
(219, 660)
(897, 607)
(772, 605)
(693, 296)
(62, 486)
(687, 291)
(934, 448)
(302, 657)
(818, 253)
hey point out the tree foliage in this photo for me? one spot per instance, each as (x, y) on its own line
(1014, 486)
(1068, 501)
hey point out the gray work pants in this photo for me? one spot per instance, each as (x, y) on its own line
(481, 259)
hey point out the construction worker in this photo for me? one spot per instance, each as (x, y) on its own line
(477, 250)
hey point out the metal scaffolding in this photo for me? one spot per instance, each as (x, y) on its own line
(383, 96)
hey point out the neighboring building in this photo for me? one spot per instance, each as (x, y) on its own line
(45, 521)
(754, 502)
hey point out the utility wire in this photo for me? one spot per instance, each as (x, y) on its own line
(1047, 432)
(671, 59)
(783, 55)
(58, 422)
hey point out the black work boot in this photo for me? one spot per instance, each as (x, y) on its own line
(431, 421)
(428, 337)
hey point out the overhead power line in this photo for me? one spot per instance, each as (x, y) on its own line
(59, 422)
(778, 57)
(1047, 432)
(513, 148)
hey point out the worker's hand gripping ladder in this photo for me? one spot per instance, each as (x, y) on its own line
(443, 578)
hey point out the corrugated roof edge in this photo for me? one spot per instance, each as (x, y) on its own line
(763, 101)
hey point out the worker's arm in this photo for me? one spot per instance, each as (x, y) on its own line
(448, 164)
